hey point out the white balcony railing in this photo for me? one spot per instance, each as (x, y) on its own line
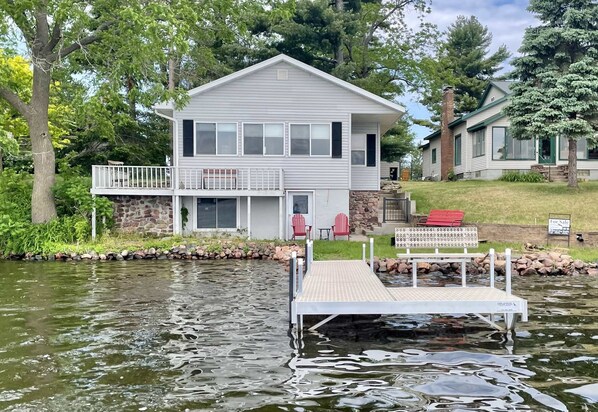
(165, 178)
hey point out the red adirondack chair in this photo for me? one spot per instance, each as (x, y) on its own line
(299, 226)
(341, 226)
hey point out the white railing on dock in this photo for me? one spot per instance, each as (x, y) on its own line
(187, 178)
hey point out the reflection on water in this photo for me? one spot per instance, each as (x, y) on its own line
(214, 336)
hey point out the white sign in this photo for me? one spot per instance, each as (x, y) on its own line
(559, 226)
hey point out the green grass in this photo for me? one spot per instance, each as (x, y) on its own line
(342, 249)
(508, 202)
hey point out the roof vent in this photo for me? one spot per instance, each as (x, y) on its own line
(282, 74)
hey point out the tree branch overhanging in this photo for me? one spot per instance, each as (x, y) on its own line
(77, 45)
(15, 101)
(22, 22)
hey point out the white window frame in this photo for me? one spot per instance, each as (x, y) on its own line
(365, 150)
(238, 214)
(264, 124)
(216, 123)
(329, 155)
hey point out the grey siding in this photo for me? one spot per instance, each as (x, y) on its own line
(260, 97)
(364, 177)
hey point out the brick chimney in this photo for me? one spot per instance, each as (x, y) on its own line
(446, 134)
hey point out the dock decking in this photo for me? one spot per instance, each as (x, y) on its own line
(350, 287)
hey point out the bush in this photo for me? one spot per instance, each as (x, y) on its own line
(74, 205)
(529, 177)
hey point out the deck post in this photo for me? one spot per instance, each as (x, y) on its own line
(93, 219)
(292, 283)
(249, 217)
(280, 217)
(363, 253)
(372, 254)
(491, 253)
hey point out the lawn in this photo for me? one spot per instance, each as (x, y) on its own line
(510, 203)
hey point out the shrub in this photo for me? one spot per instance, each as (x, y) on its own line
(529, 177)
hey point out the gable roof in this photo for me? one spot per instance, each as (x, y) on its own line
(462, 119)
(502, 85)
(167, 106)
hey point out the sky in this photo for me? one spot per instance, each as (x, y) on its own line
(505, 19)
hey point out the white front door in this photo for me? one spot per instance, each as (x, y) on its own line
(302, 203)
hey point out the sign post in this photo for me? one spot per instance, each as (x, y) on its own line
(559, 224)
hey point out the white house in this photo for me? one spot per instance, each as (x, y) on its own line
(478, 145)
(252, 149)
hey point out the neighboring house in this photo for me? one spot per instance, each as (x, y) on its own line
(252, 149)
(478, 145)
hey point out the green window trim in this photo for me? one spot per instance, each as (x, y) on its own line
(502, 148)
(458, 150)
(564, 148)
(478, 139)
(433, 156)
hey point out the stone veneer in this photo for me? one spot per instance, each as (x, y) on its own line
(363, 210)
(143, 214)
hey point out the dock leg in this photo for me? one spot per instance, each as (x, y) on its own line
(510, 321)
(414, 273)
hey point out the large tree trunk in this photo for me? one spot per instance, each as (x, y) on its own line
(339, 55)
(572, 178)
(43, 208)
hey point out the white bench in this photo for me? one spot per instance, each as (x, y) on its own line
(434, 238)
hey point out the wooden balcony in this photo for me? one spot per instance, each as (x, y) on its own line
(164, 180)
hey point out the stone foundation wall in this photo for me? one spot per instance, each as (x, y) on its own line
(143, 214)
(363, 210)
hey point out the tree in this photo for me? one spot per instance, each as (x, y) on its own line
(367, 42)
(129, 36)
(557, 89)
(465, 64)
(398, 142)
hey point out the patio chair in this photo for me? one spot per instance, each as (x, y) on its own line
(341, 226)
(299, 226)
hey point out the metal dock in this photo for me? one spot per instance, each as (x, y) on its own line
(350, 288)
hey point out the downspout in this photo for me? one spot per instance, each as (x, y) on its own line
(176, 229)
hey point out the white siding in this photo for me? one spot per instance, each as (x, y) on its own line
(364, 177)
(329, 203)
(493, 95)
(264, 217)
(429, 169)
(260, 97)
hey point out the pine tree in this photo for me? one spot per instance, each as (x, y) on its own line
(557, 89)
(465, 64)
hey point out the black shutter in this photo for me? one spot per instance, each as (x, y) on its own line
(337, 140)
(371, 150)
(188, 138)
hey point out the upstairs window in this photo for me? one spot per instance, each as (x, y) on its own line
(310, 140)
(263, 139)
(216, 138)
(358, 149)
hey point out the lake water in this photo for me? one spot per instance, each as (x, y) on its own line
(160, 336)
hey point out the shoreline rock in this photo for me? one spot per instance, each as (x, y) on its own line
(528, 264)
